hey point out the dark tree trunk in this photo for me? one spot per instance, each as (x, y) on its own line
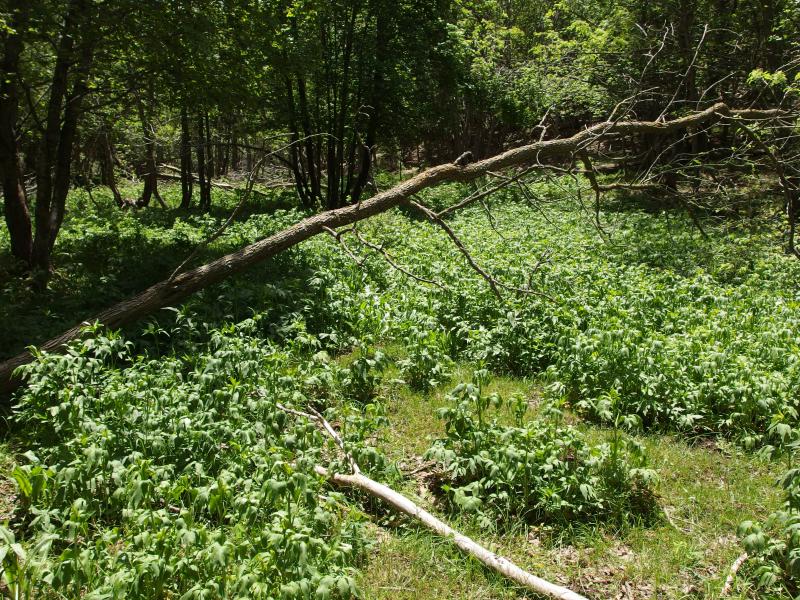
(107, 177)
(368, 147)
(235, 157)
(55, 150)
(311, 162)
(209, 164)
(16, 212)
(186, 161)
(205, 188)
(210, 173)
(344, 106)
(151, 168)
(294, 151)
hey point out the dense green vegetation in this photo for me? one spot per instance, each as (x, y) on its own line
(533, 265)
(170, 436)
(325, 91)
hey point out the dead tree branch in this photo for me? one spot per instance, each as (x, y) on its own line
(435, 218)
(169, 292)
(737, 564)
(392, 263)
(245, 197)
(402, 504)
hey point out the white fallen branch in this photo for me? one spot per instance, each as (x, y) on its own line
(494, 561)
(737, 564)
(402, 504)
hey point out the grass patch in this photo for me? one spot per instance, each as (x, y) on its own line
(704, 490)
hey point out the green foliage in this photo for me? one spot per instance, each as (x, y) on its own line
(181, 476)
(659, 329)
(539, 470)
(426, 364)
(774, 548)
(680, 332)
(362, 378)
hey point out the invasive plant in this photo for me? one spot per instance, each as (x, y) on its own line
(774, 547)
(538, 469)
(426, 364)
(361, 379)
(153, 478)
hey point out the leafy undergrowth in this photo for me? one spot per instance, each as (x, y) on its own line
(184, 477)
(703, 493)
(157, 462)
(536, 471)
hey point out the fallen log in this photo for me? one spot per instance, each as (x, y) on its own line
(167, 293)
(402, 504)
(494, 561)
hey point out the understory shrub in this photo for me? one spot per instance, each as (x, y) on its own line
(535, 470)
(774, 547)
(174, 478)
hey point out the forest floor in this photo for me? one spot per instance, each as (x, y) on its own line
(695, 335)
(705, 490)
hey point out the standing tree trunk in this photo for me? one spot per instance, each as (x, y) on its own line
(210, 173)
(368, 146)
(186, 161)
(235, 156)
(55, 149)
(205, 188)
(16, 212)
(339, 193)
(107, 177)
(151, 174)
(303, 192)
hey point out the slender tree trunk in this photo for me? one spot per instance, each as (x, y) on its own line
(205, 188)
(186, 161)
(235, 154)
(151, 175)
(344, 105)
(209, 164)
(16, 212)
(107, 177)
(367, 148)
(311, 161)
(294, 152)
(48, 146)
(68, 134)
(55, 149)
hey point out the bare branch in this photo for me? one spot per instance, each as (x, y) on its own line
(389, 259)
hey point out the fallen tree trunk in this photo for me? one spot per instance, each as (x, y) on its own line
(494, 561)
(167, 293)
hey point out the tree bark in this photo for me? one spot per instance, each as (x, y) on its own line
(107, 176)
(306, 196)
(203, 180)
(168, 293)
(186, 161)
(367, 148)
(151, 168)
(55, 150)
(16, 213)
